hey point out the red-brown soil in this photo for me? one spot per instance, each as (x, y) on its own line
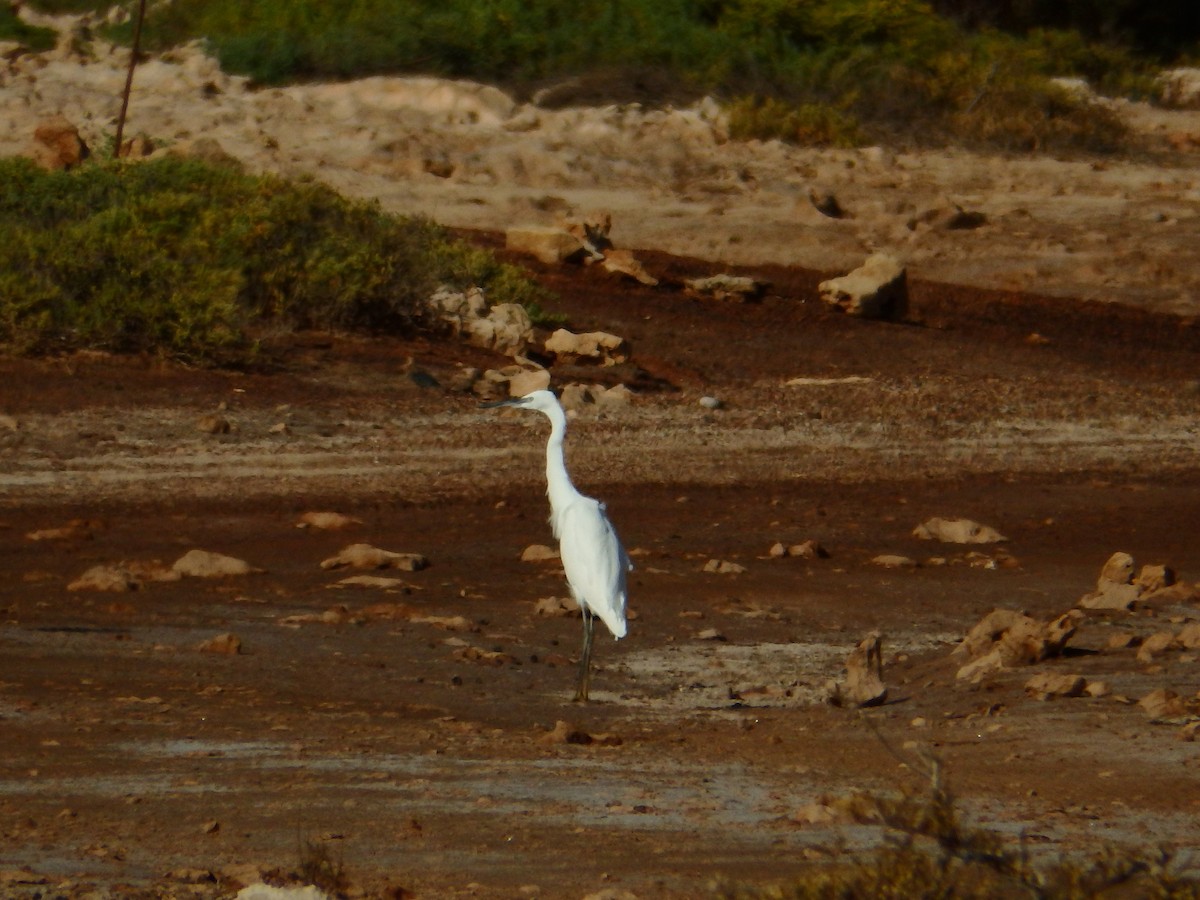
(134, 764)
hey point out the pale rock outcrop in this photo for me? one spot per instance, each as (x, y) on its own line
(878, 289)
(548, 244)
(1181, 87)
(505, 327)
(324, 520)
(727, 287)
(510, 381)
(527, 381)
(57, 145)
(116, 579)
(957, 531)
(1115, 588)
(1046, 685)
(206, 564)
(599, 345)
(863, 684)
(364, 556)
(1006, 638)
(622, 262)
(538, 553)
(577, 397)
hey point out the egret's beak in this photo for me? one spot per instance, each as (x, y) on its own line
(514, 401)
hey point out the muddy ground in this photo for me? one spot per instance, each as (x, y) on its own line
(403, 733)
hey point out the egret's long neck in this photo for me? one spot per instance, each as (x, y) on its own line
(558, 482)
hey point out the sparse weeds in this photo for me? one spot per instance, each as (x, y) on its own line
(318, 867)
(929, 853)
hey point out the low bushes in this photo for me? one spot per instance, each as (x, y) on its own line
(205, 262)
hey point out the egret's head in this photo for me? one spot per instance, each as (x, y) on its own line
(542, 401)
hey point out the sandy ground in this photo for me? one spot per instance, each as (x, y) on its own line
(404, 731)
(400, 729)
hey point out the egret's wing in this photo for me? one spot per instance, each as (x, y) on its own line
(595, 562)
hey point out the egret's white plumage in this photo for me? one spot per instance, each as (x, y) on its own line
(592, 556)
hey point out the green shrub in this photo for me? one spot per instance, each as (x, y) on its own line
(196, 261)
(12, 28)
(811, 124)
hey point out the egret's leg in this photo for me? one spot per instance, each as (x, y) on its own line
(585, 660)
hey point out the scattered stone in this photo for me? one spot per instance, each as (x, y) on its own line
(727, 287)
(377, 582)
(809, 381)
(1155, 578)
(1097, 689)
(270, 892)
(723, 567)
(538, 553)
(710, 634)
(1178, 593)
(576, 397)
(894, 561)
(214, 424)
(1118, 569)
(878, 289)
(611, 893)
(327, 521)
(948, 218)
(18, 877)
(75, 530)
(1164, 704)
(622, 262)
(1005, 638)
(556, 607)
(1189, 636)
(809, 549)
(1181, 87)
(599, 345)
(116, 579)
(1115, 588)
(1124, 640)
(957, 531)
(205, 564)
(853, 809)
(526, 381)
(364, 556)
(505, 328)
(567, 733)
(1155, 644)
(826, 203)
(446, 623)
(863, 685)
(484, 657)
(223, 644)
(1045, 685)
(1189, 731)
(548, 244)
(710, 403)
(57, 145)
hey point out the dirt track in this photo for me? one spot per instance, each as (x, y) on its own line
(409, 746)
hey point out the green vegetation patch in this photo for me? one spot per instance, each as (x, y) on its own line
(37, 40)
(826, 72)
(206, 262)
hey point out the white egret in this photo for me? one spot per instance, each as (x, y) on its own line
(592, 555)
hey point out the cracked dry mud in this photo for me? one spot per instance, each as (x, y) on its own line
(133, 762)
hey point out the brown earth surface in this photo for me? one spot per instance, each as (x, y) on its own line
(400, 732)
